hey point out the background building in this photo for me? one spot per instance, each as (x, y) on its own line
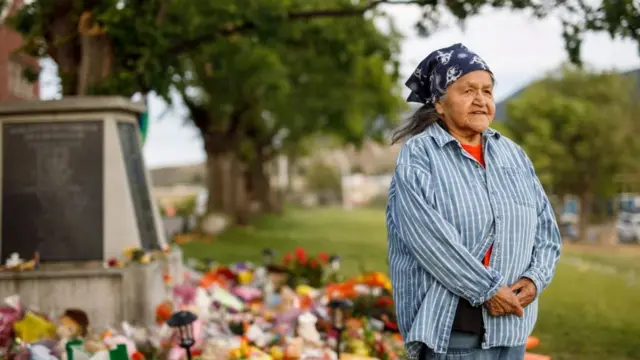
(13, 87)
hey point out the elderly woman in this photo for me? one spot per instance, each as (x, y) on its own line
(473, 240)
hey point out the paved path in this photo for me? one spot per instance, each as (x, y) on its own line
(173, 225)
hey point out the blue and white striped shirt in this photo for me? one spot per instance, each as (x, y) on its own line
(445, 210)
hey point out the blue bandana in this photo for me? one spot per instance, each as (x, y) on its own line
(440, 69)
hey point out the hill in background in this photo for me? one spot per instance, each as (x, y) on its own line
(172, 175)
(501, 107)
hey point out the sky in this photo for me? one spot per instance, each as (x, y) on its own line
(518, 48)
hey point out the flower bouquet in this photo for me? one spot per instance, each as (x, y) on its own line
(305, 270)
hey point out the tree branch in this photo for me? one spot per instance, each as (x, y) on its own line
(162, 12)
(345, 12)
(292, 16)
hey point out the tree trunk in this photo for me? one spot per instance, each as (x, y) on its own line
(260, 185)
(240, 199)
(96, 63)
(291, 166)
(586, 204)
(219, 180)
(225, 183)
(65, 51)
(80, 48)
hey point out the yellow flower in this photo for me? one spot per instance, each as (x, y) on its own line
(245, 277)
(234, 353)
(387, 285)
(146, 258)
(359, 348)
(380, 277)
(244, 344)
(276, 353)
(304, 290)
(128, 252)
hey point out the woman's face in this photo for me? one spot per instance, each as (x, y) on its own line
(468, 107)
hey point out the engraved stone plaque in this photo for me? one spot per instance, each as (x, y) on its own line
(52, 190)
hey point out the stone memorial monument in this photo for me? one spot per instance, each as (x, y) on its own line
(75, 190)
(74, 184)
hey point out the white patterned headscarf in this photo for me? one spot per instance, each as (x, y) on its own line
(440, 69)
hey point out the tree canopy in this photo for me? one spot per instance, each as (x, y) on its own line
(579, 129)
(128, 46)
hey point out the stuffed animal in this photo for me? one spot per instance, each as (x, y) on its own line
(307, 329)
(73, 324)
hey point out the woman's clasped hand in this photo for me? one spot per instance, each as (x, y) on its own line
(512, 299)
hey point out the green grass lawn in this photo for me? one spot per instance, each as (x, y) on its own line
(584, 314)
(359, 237)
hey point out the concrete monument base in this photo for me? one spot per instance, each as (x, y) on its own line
(108, 296)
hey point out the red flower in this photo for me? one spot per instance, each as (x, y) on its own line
(226, 273)
(324, 258)
(112, 262)
(391, 325)
(379, 347)
(313, 263)
(287, 258)
(388, 323)
(384, 301)
(301, 255)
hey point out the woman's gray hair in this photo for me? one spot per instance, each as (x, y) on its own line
(424, 117)
(418, 122)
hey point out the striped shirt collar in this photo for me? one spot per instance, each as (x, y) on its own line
(442, 137)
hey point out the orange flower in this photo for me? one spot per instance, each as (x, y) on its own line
(211, 278)
(306, 302)
(137, 356)
(163, 312)
(313, 263)
(166, 278)
(375, 278)
(345, 290)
